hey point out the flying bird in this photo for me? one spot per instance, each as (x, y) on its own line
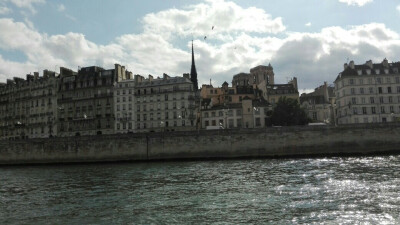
(212, 28)
(205, 37)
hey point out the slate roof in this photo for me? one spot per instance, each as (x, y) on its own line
(393, 68)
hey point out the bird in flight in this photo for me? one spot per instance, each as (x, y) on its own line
(205, 37)
(212, 28)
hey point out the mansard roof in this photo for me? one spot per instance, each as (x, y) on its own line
(369, 70)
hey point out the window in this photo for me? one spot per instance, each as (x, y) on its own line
(371, 90)
(364, 110)
(388, 80)
(239, 122)
(372, 100)
(382, 109)
(398, 89)
(380, 99)
(353, 101)
(379, 80)
(355, 110)
(363, 100)
(391, 108)
(206, 123)
(373, 110)
(390, 99)
(361, 81)
(380, 90)
(220, 113)
(351, 81)
(206, 115)
(353, 91)
(361, 90)
(397, 80)
(389, 89)
(258, 122)
(238, 112)
(212, 114)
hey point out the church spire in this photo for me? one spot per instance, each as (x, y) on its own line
(193, 72)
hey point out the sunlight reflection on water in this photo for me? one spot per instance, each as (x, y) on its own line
(277, 191)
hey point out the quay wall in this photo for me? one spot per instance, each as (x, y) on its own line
(267, 142)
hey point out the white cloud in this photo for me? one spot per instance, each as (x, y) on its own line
(356, 2)
(308, 24)
(61, 8)
(312, 57)
(27, 4)
(398, 8)
(4, 10)
(198, 20)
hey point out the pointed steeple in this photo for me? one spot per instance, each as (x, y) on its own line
(193, 72)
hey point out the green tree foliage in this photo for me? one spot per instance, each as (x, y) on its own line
(287, 112)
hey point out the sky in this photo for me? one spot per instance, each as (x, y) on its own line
(307, 39)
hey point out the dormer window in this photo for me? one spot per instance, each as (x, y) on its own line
(386, 71)
(377, 71)
(368, 71)
(359, 72)
(395, 70)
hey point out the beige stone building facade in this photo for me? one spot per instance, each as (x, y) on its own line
(124, 110)
(165, 104)
(249, 113)
(368, 93)
(28, 107)
(320, 104)
(86, 102)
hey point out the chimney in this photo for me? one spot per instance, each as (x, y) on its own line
(138, 79)
(165, 76)
(36, 75)
(345, 66)
(385, 63)
(369, 63)
(186, 75)
(351, 64)
(150, 77)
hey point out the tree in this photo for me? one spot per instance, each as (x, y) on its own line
(287, 112)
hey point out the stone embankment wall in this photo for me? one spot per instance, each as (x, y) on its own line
(268, 142)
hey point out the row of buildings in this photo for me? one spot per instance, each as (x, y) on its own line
(365, 93)
(94, 101)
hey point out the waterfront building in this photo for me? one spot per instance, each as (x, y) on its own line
(85, 100)
(124, 110)
(226, 94)
(28, 107)
(273, 92)
(319, 105)
(368, 93)
(249, 113)
(165, 104)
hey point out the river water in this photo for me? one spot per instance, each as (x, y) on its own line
(348, 190)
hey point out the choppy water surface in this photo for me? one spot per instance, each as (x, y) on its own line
(269, 191)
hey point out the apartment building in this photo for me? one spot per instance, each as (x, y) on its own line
(28, 107)
(249, 113)
(368, 93)
(124, 110)
(165, 104)
(319, 105)
(85, 100)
